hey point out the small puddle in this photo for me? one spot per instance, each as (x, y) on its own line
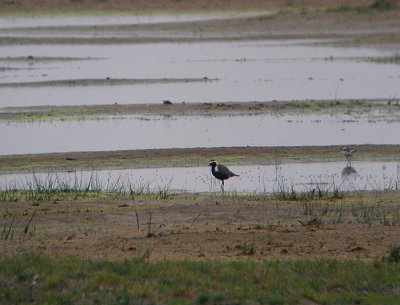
(246, 71)
(253, 178)
(146, 132)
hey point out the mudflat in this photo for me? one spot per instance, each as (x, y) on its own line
(182, 157)
(343, 22)
(209, 226)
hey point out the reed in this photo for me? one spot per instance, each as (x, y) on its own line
(55, 188)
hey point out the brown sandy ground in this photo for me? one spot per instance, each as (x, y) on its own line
(210, 226)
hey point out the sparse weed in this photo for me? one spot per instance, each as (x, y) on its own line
(26, 230)
(313, 221)
(394, 254)
(288, 192)
(8, 227)
(150, 233)
(348, 9)
(54, 188)
(71, 280)
(11, 194)
(395, 217)
(320, 212)
(338, 215)
(375, 213)
(377, 5)
(144, 255)
(233, 196)
(137, 191)
(12, 223)
(383, 5)
(247, 247)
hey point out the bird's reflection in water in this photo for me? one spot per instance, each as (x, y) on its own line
(349, 171)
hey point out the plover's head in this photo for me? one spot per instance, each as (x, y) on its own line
(213, 163)
(348, 150)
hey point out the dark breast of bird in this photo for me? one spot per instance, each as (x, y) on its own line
(223, 172)
(221, 175)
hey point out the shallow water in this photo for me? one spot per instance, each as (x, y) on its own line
(246, 71)
(253, 178)
(143, 132)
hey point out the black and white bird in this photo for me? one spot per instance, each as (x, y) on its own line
(221, 172)
(348, 153)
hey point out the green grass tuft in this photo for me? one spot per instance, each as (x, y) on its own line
(37, 279)
(383, 4)
(394, 254)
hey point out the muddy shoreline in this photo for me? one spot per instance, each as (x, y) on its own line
(168, 108)
(156, 5)
(340, 22)
(183, 157)
(211, 226)
(103, 82)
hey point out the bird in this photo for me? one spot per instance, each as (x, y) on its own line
(221, 172)
(348, 171)
(348, 153)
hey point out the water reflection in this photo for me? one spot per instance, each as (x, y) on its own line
(139, 132)
(348, 171)
(253, 178)
(247, 71)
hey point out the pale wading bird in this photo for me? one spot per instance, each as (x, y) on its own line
(221, 172)
(348, 153)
